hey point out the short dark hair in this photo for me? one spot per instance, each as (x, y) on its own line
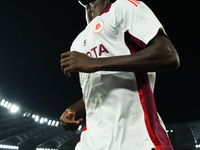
(112, 0)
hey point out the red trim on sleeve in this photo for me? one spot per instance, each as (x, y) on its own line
(84, 129)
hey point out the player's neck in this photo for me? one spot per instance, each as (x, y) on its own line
(93, 9)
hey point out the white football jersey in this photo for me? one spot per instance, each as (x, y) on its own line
(120, 110)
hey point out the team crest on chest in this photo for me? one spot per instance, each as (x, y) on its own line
(98, 27)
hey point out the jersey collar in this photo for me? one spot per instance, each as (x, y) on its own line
(107, 9)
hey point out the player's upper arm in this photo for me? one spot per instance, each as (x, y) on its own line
(162, 46)
(136, 18)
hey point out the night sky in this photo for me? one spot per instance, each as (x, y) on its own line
(34, 33)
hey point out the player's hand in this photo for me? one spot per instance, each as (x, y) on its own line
(76, 62)
(68, 122)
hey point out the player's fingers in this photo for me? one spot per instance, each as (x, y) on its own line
(71, 125)
(68, 123)
(65, 65)
(79, 121)
(70, 114)
(68, 74)
(65, 54)
(65, 118)
(65, 59)
(63, 123)
(66, 115)
(67, 70)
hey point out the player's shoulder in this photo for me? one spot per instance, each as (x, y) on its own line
(129, 5)
(131, 8)
(76, 39)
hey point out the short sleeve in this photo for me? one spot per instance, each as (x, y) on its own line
(136, 18)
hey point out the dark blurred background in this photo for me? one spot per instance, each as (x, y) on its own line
(33, 34)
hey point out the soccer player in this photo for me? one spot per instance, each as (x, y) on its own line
(116, 56)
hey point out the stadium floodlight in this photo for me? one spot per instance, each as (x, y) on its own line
(2, 102)
(9, 105)
(12, 147)
(53, 122)
(46, 149)
(5, 104)
(9, 146)
(14, 108)
(28, 114)
(57, 123)
(25, 114)
(42, 120)
(80, 126)
(33, 116)
(45, 119)
(37, 118)
(197, 145)
(49, 122)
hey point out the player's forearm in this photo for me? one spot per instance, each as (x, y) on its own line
(156, 57)
(137, 63)
(159, 55)
(78, 107)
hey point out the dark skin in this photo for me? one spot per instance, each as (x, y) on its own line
(67, 119)
(159, 55)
